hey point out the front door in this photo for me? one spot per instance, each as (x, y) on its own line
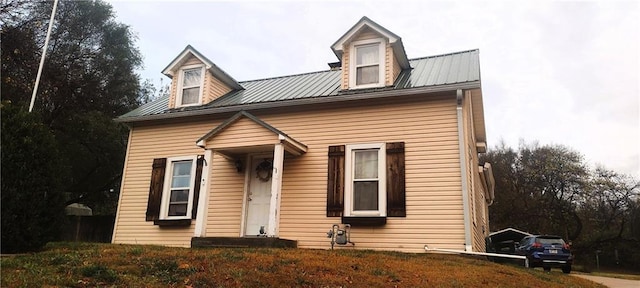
(258, 195)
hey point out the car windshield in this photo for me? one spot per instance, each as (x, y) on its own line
(550, 241)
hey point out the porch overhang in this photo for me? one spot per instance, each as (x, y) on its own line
(244, 133)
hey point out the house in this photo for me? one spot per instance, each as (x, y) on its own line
(384, 143)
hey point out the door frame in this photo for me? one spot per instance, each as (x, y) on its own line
(247, 182)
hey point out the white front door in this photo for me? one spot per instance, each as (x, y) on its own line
(258, 196)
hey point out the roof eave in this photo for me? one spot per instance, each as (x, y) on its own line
(168, 71)
(305, 101)
(478, 113)
(401, 54)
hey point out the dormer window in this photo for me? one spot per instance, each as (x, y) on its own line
(371, 56)
(190, 90)
(369, 66)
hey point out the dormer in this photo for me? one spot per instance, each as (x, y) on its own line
(195, 80)
(371, 56)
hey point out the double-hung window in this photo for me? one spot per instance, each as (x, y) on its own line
(177, 200)
(190, 90)
(368, 66)
(365, 180)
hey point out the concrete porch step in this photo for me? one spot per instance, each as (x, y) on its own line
(242, 242)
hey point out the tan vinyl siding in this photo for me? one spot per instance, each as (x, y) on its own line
(192, 60)
(396, 69)
(145, 144)
(213, 88)
(244, 132)
(482, 228)
(173, 92)
(478, 219)
(124, 172)
(365, 34)
(433, 180)
(434, 202)
(388, 65)
(345, 67)
(225, 199)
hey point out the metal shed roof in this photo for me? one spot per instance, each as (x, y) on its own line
(453, 69)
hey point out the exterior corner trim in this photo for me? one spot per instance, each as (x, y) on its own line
(468, 244)
(124, 173)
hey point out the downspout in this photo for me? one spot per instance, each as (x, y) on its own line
(463, 174)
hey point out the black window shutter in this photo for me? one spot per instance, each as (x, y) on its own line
(396, 201)
(196, 189)
(335, 181)
(155, 189)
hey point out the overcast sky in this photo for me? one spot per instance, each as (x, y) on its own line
(552, 72)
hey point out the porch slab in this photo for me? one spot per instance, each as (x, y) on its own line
(242, 242)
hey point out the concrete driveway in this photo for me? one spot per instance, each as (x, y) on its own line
(611, 282)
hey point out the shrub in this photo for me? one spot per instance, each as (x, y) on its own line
(32, 200)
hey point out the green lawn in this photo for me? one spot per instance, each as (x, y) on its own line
(106, 265)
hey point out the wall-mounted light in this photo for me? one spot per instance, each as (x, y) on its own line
(239, 165)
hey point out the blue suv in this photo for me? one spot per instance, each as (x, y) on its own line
(545, 251)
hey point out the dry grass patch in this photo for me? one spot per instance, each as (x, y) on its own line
(91, 265)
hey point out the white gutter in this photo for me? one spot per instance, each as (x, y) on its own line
(426, 248)
(343, 96)
(468, 246)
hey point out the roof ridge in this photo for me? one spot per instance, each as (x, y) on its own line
(445, 54)
(287, 76)
(329, 70)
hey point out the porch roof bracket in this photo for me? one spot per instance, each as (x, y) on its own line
(292, 146)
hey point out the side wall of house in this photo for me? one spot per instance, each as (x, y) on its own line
(477, 205)
(433, 181)
(434, 201)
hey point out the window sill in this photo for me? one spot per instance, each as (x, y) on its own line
(364, 221)
(366, 86)
(187, 105)
(173, 223)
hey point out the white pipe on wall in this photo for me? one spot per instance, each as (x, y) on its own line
(426, 248)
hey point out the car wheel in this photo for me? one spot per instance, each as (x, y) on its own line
(547, 269)
(566, 269)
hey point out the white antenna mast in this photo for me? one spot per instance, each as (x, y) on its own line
(44, 51)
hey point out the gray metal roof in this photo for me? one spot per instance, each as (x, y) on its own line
(448, 70)
(156, 107)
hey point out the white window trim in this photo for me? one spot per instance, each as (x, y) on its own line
(164, 208)
(180, 83)
(353, 57)
(382, 180)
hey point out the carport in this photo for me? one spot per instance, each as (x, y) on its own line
(504, 241)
